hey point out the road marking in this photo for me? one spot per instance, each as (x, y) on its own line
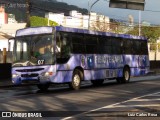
(112, 105)
(155, 95)
(146, 100)
(148, 105)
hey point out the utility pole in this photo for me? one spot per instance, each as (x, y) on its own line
(139, 23)
(28, 12)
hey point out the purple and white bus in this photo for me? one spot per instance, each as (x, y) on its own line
(45, 55)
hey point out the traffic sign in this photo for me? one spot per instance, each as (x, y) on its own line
(127, 4)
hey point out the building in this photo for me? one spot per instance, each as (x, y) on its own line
(85, 21)
(68, 21)
(4, 40)
(99, 22)
(93, 20)
(77, 20)
(11, 19)
(4, 43)
(57, 17)
(11, 29)
(3, 16)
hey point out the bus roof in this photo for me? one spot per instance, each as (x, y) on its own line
(49, 29)
(34, 31)
(77, 30)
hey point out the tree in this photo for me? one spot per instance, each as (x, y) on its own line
(100, 26)
(151, 33)
(117, 27)
(40, 21)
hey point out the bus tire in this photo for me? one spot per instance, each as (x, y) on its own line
(126, 75)
(97, 82)
(76, 80)
(43, 87)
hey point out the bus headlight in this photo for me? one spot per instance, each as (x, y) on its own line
(47, 74)
(14, 75)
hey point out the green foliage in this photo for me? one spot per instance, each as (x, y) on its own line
(152, 33)
(134, 31)
(40, 21)
(153, 47)
(116, 26)
(158, 46)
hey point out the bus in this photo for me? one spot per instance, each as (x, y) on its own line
(45, 55)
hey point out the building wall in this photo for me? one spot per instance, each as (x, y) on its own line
(77, 20)
(11, 29)
(11, 19)
(154, 56)
(85, 21)
(154, 51)
(3, 16)
(3, 44)
(57, 17)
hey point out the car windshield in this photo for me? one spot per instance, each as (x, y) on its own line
(33, 50)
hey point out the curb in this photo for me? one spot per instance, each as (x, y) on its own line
(154, 71)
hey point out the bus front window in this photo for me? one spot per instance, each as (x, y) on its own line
(33, 50)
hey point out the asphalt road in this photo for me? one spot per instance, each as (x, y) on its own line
(139, 99)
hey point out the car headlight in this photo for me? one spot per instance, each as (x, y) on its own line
(46, 74)
(14, 75)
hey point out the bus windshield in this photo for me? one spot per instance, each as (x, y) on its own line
(33, 50)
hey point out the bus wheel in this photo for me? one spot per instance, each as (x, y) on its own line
(76, 80)
(43, 87)
(97, 82)
(126, 75)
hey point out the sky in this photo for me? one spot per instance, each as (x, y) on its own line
(150, 14)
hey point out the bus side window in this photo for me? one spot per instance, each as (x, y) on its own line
(117, 45)
(127, 46)
(91, 43)
(58, 44)
(65, 45)
(135, 47)
(78, 46)
(144, 47)
(62, 47)
(138, 47)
